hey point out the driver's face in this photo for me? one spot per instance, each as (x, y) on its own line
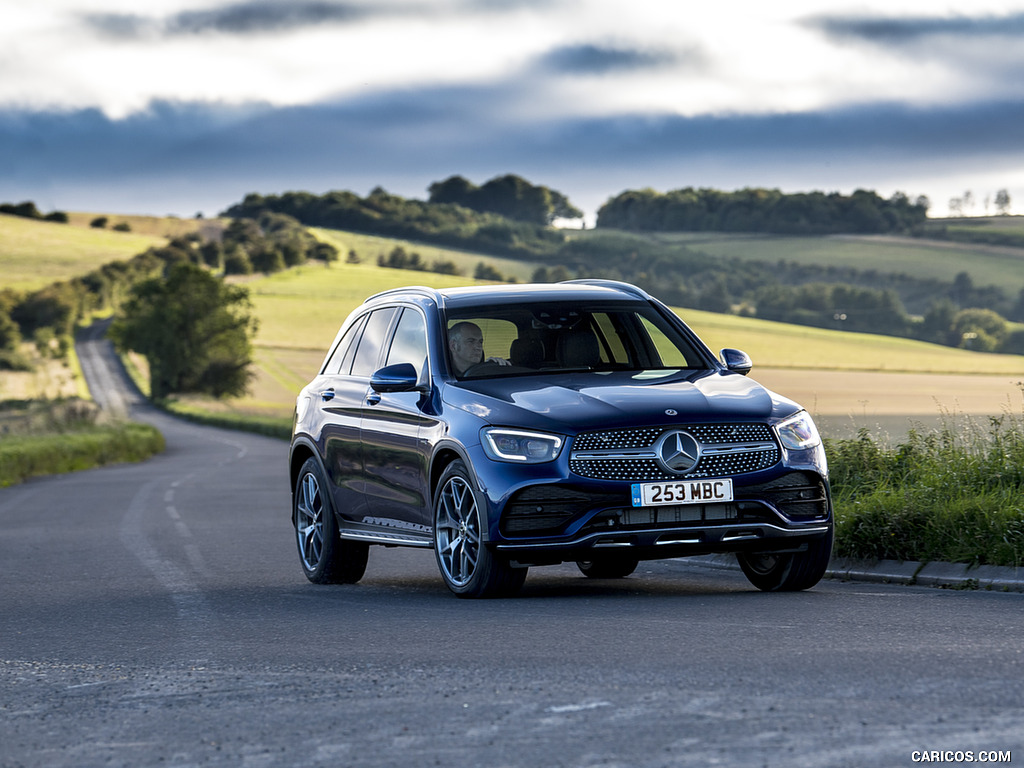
(467, 348)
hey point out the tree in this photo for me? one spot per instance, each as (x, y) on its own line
(1003, 202)
(979, 329)
(194, 330)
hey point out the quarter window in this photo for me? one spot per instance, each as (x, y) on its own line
(340, 361)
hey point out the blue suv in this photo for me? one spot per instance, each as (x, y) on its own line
(525, 425)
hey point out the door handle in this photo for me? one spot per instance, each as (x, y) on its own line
(373, 398)
(327, 394)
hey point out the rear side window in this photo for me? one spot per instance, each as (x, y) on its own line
(340, 361)
(374, 334)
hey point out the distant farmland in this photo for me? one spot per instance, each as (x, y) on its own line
(34, 254)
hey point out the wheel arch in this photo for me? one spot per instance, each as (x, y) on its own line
(444, 455)
(302, 449)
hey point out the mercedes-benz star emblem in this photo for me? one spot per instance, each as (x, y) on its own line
(678, 451)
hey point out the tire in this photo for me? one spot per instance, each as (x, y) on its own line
(608, 567)
(326, 558)
(468, 567)
(792, 572)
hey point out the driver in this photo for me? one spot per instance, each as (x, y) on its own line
(466, 343)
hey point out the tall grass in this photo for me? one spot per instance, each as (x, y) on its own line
(954, 493)
(41, 437)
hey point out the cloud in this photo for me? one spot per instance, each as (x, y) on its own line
(244, 18)
(591, 59)
(260, 17)
(185, 156)
(880, 30)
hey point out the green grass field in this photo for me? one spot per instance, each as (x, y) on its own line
(369, 247)
(926, 259)
(301, 310)
(34, 254)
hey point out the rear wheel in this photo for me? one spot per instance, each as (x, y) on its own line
(326, 558)
(469, 568)
(790, 572)
(608, 567)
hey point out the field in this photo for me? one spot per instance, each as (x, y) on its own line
(37, 253)
(369, 247)
(926, 259)
(848, 379)
(844, 379)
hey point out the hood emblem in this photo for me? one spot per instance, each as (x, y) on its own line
(677, 451)
(671, 412)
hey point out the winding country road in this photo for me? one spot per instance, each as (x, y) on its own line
(156, 614)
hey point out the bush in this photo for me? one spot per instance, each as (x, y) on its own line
(237, 262)
(953, 494)
(25, 456)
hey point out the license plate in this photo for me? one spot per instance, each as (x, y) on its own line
(706, 491)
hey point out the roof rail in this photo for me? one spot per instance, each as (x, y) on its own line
(422, 290)
(624, 287)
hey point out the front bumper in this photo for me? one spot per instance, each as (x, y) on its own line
(551, 522)
(660, 543)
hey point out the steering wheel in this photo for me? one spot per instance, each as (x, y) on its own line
(476, 368)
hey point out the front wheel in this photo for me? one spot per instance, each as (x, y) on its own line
(326, 558)
(468, 567)
(790, 572)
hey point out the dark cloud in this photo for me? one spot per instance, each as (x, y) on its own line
(902, 30)
(250, 17)
(244, 18)
(187, 157)
(588, 59)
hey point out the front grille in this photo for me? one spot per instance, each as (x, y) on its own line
(629, 454)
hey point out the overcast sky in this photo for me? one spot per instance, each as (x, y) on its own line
(171, 106)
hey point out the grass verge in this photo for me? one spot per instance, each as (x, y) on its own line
(25, 456)
(269, 425)
(949, 494)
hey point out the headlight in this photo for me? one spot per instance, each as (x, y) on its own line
(524, 447)
(798, 432)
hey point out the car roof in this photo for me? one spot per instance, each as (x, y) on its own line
(515, 293)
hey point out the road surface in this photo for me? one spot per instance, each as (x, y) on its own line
(156, 615)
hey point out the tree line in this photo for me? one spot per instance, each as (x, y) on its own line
(388, 215)
(823, 296)
(510, 196)
(28, 210)
(762, 210)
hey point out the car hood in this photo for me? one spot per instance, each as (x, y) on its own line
(575, 402)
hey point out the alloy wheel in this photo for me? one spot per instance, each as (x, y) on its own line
(458, 532)
(309, 521)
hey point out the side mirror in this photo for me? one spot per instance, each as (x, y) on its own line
(736, 361)
(400, 377)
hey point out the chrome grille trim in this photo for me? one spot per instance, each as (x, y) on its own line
(629, 454)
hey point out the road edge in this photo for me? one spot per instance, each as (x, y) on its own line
(909, 573)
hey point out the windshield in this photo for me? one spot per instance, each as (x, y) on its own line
(545, 337)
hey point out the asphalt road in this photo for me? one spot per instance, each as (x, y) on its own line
(156, 614)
